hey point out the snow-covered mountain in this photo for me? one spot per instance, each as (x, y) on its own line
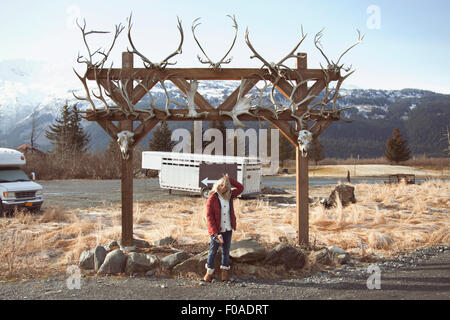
(32, 91)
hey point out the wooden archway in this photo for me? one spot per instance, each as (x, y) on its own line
(127, 85)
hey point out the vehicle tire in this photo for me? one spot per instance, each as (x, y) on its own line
(205, 193)
(1, 209)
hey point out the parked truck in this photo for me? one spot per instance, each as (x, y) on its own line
(17, 190)
(197, 172)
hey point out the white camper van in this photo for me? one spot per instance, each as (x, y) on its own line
(197, 172)
(16, 188)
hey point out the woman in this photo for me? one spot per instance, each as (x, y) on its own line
(221, 222)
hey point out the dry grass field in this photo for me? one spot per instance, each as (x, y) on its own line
(386, 219)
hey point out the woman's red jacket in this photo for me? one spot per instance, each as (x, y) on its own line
(213, 208)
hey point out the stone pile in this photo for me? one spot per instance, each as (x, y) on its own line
(116, 259)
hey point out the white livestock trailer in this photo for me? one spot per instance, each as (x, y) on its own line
(197, 172)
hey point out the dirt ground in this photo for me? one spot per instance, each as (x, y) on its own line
(421, 275)
(80, 214)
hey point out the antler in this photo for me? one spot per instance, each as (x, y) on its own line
(92, 65)
(215, 65)
(88, 61)
(331, 65)
(274, 68)
(191, 91)
(164, 63)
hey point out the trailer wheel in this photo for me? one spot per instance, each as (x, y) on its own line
(205, 193)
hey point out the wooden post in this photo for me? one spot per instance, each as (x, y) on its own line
(302, 182)
(127, 168)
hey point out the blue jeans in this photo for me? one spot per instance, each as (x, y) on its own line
(214, 246)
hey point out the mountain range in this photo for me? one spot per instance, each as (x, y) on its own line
(422, 116)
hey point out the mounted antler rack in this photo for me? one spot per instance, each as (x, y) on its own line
(120, 89)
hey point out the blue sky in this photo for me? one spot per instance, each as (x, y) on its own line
(410, 49)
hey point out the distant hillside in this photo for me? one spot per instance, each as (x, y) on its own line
(422, 121)
(422, 116)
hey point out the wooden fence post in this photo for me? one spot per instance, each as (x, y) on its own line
(127, 168)
(302, 182)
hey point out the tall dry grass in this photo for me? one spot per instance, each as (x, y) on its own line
(386, 219)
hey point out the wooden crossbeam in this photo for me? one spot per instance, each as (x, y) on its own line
(205, 74)
(181, 115)
(141, 90)
(143, 129)
(109, 128)
(320, 127)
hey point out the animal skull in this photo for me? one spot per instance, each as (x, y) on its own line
(125, 139)
(304, 139)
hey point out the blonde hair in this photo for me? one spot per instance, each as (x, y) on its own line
(227, 194)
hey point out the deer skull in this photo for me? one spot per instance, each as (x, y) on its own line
(125, 140)
(304, 139)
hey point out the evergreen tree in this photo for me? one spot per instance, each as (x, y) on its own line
(315, 152)
(161, 140)
(66, 134)
(396, 148)
(286, 149)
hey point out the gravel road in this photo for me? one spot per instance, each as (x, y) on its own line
(72, 194)
(422, 274)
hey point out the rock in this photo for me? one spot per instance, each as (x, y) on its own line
(247, 250)
(150, 273)
(87, 260)
(336, 250)
(112, 246)
(197, 263)
(114, 263)
(99, 257)
(345, 193)
(286, 255)
(339, 255)
(172, 260)
(342, 258)
(167, 241)
(140, 262)
(137, 243)
(322, 256)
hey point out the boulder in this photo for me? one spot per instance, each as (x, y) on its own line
(99, 257)
(167, 241)
(286, 255)
(247, 250)
(140, 262)
(137, 243)
(112, 246)
(339, 255)
(345, 193)
(172, 260)
(322, 257)
(336, 250)
(114, 263)
(342, 258)
(87, 260)
(197, 263)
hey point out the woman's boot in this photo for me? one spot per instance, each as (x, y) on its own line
(224, 271)
(209, 275)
